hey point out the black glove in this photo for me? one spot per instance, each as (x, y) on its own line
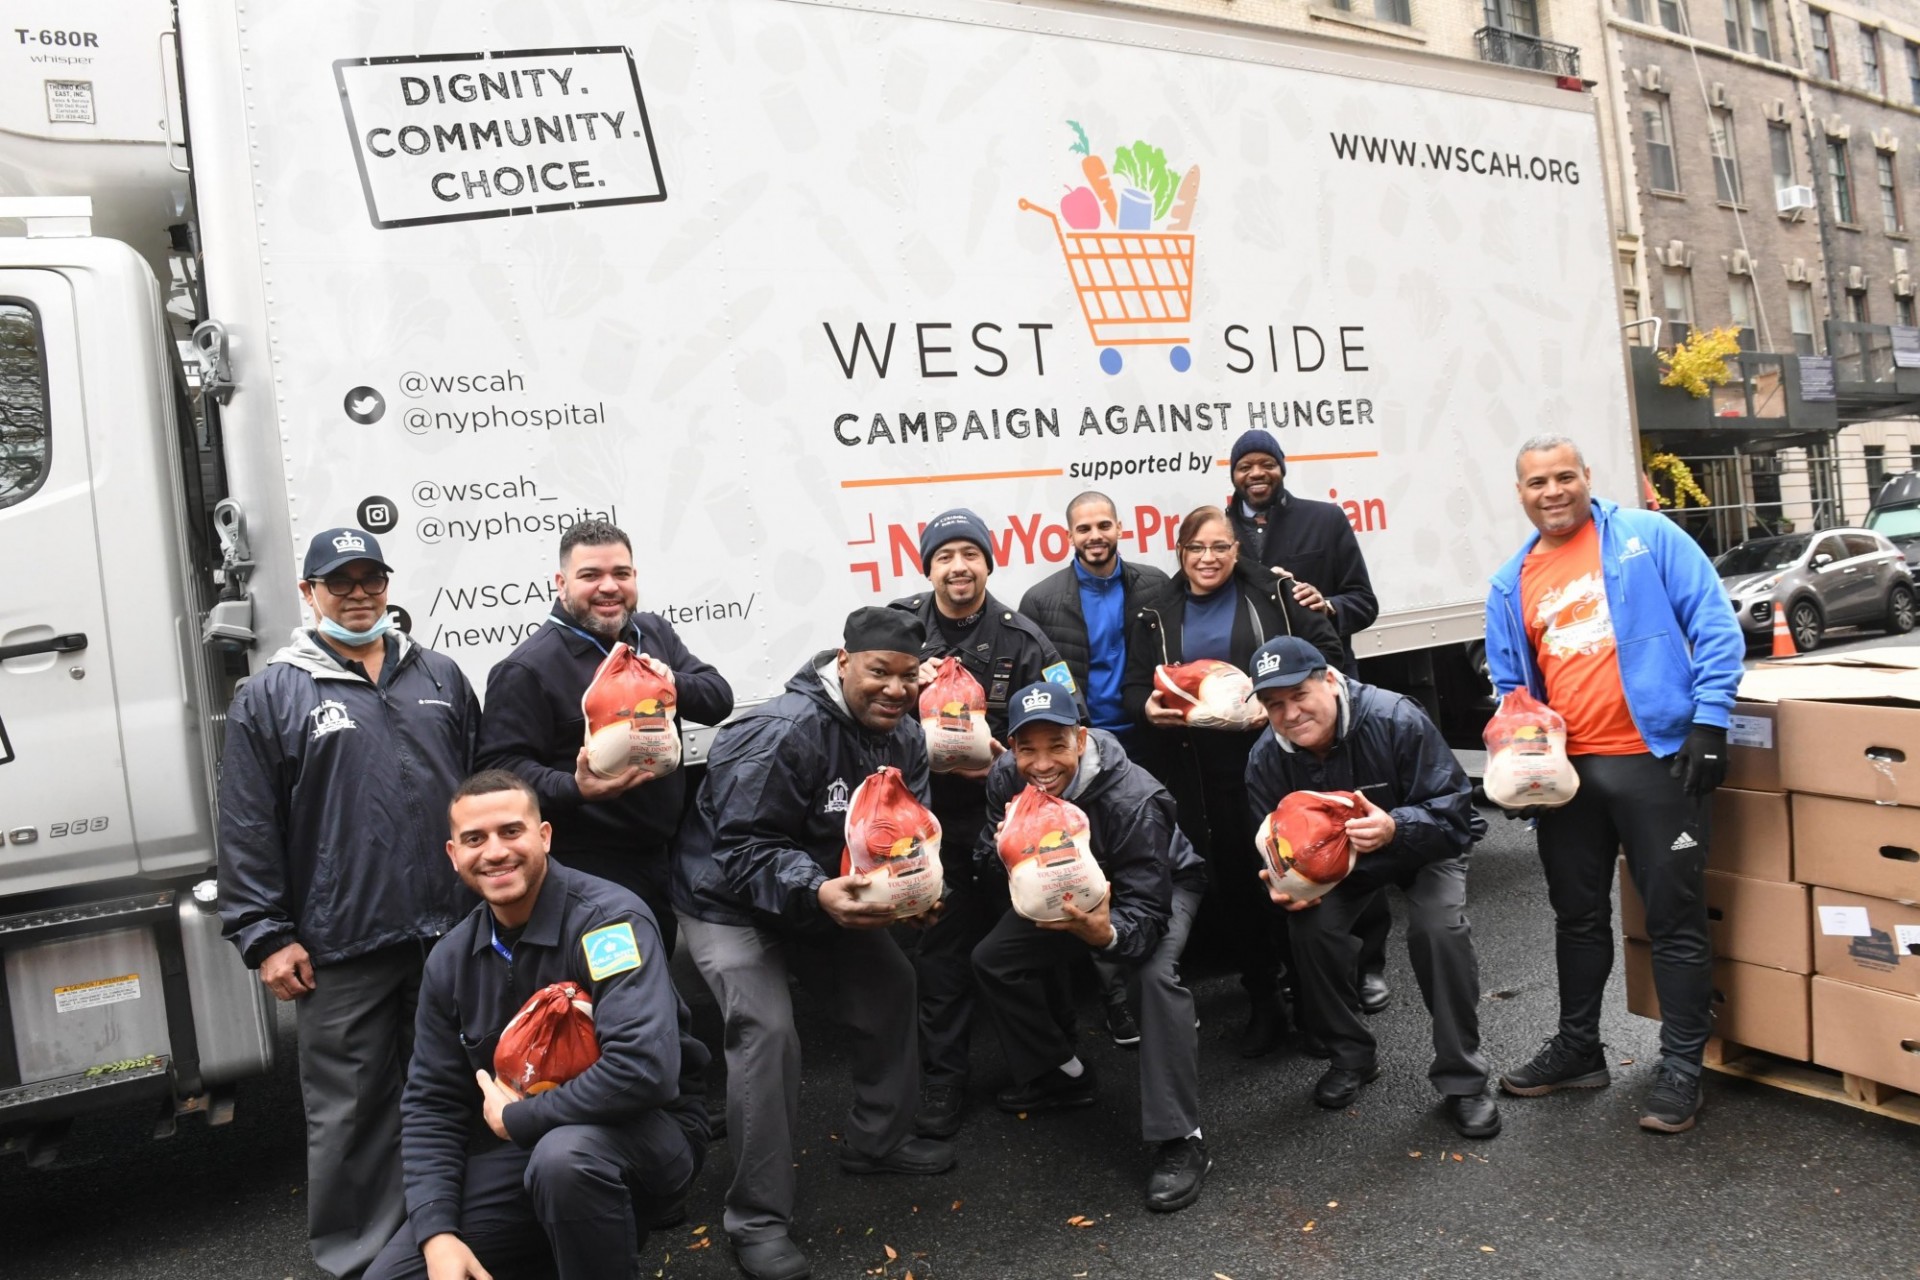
(1523, 812)
(1702, 762)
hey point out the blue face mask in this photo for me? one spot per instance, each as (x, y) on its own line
(334, 631)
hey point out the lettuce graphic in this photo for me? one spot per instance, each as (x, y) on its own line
(1146, 168)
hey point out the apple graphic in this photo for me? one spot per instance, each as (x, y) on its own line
(1081, 209)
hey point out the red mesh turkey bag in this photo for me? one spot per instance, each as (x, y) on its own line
(1304, 842)
(1213, 694)
(1527, 761)
(894, 841)
(549, 1042)
(630, 709)
(953, 711)
(1045, 844)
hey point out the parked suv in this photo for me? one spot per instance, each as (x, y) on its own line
(1833, 578)
(1895, 515)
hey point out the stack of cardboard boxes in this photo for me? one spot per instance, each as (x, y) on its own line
(1813, 880)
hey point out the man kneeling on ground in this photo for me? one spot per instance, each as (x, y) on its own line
(498, 1184)
(1416, 824)
(1156, 882)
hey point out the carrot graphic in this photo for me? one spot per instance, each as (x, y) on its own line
(1183, 202)
(1096, 170)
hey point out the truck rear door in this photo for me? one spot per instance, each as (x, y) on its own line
(63, 791)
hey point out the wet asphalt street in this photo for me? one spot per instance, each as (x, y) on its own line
(1770, 1184)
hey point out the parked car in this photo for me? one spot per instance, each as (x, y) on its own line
(1833, 578)
(1895, 515)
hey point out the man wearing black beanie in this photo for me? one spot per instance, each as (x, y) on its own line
(1004, 651)
(758, 890)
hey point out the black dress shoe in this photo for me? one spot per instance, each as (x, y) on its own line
(776, 1259)
(1338, 1088)
(941, 1108)
(915, 1155)
(1055, 1091)
(1375, 994)
(1266, 1028)
(1182, 1166)
(1474, 1115)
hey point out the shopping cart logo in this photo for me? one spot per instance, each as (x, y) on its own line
(1128, 251)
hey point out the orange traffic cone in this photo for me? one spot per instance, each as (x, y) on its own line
(1782, 635)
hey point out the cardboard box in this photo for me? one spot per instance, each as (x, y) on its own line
(1869, 942)
(1753, 1005)
(1851, 750)
(1751, 834)
(1753, 740)
(1868, 1033)
(1761, 922)
(1872, 849)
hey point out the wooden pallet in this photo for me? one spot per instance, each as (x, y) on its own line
(1812, 1081)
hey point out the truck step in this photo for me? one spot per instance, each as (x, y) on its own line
(152, 1078)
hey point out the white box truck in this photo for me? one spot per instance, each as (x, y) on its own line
(769, 283)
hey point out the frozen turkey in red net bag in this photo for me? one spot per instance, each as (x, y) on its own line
(1527, 761)
(894, 841)
(549, 1042)
(1211, 693)
(953, 711)
(1045, 844)
(1305, 844)
(630, 709)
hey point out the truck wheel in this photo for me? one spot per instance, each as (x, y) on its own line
(1900, 610)
(1803, 619)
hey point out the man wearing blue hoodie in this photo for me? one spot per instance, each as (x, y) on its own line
(1616, 619)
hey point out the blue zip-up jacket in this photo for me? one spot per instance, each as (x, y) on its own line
(1674, 632)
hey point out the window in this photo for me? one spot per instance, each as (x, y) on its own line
(1903, 311)
(1889, 191)
(1800, 317)
(1399, 11)
(1870, 60)
(1673, 17)
(1637, 10)
(1658, 126)
(1876, 456)
(1520, 16)
(23, 403)
(1857, 307)
(1842, 180)
(1822, 27)
(1726, 163)
(1676, 296)
(1780, 142)
(1736, 35)
(1913, 71)
(1740, 302)
(1865, 544)
(1762, 28)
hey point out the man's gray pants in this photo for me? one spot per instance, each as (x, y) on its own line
(355, 1040)
(869, 982)
(1439, 942)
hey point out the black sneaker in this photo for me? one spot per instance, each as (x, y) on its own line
(1673, 1102)
(941, 1108)
(1121, 1024)
(1055, 1091)
(1558, 1066)
(1180, 1168)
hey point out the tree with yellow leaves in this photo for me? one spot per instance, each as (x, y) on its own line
(1700, 364)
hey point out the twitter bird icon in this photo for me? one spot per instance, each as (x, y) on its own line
(365, 405)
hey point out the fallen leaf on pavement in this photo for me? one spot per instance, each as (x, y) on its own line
(1413, 1155)
(956, 1206)
(892, 1255)
(1486, 1248)
(704, 1242)
(1333, 1204)
(700, 1231)
(1311, 1224)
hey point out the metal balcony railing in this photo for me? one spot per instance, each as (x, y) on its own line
(1513, 49)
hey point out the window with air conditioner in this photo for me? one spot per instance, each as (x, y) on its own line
(1822, 28)
(1800, 317)
(1857, 306)
(1890, 210)
(1726, 162)
(1780, 145)
(1840, 179)
(1870, 77)
(1657, 128)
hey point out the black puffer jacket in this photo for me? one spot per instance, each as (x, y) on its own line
(1053, 604)
(769, 823)
(1314, 542)
(333, 802)
(1388, 748)
(1133, 836)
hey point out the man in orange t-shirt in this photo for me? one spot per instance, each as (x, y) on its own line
(1616, 620)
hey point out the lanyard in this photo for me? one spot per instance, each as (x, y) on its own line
(494, 933)
(588, 636)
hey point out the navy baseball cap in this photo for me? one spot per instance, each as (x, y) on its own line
(332, 548)
(1041, 701)
(1284, 661)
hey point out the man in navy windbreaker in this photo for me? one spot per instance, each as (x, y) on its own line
(1616, 620)
(340, 757)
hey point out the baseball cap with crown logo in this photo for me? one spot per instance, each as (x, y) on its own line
(332, 548)
(1042, 701)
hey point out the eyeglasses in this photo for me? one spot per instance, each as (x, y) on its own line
(342, 584)
(1208, 548)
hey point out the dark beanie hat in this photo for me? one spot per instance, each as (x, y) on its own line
(958, 524)
(1257, 441)
(889, 630)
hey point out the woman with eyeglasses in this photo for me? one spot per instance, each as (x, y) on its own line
(1216, 607)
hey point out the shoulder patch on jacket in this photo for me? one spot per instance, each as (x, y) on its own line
(1059, 675)
(611, 949)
